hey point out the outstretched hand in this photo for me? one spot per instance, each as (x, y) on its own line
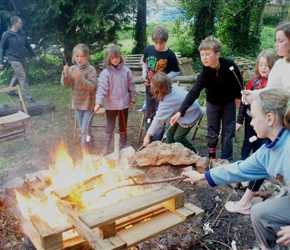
(284, 235)
(193, 176)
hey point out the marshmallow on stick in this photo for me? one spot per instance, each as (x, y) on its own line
(253, 138)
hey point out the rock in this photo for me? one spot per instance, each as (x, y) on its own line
(158, 153)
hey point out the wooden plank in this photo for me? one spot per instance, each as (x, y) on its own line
(98, 217)
(156, 225)
(49, 238)
(92, 236)
(31, 232)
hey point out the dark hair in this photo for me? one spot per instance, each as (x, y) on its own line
(285, 27)
(161, 85)
(14, 20)
(161, 33)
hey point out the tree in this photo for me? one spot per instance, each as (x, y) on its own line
(69, 22)
(140, 36)
(204, 22)
(238, 24)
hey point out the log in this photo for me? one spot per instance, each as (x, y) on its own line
(36, 108)
(181, 79)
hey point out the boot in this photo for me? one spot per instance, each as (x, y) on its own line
(123, 140)
(108, 139)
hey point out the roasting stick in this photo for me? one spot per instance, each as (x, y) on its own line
(143, 183)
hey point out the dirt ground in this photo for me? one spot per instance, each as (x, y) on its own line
(52, 128)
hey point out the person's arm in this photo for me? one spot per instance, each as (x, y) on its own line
(174, 66)
(2, 50)
(30, 49)
(193, 94)
(91, 80)
(103, 87)
(66, 79)
(193, 176)
(132, 88)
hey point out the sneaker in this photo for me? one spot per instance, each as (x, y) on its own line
(14, 94)
(31, 100)
(233, 208)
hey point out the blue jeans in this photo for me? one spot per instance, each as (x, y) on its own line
(225, 116)
(85, 120)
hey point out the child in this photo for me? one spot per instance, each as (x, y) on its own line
(221, 80)
(264, 63)
(157, 58)
(82, 77)
(117, 90)
(170, 97)
(271, 120)
(280, 73)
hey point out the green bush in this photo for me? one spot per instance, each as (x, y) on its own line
(271, 20)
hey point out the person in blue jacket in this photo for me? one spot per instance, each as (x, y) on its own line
(271, 120)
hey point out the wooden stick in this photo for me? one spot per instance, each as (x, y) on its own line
(143, 183)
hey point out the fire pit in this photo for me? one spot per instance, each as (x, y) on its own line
(101, 207)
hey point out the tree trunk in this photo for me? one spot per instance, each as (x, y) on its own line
(33, 109)
(140, 29)
(259, 20)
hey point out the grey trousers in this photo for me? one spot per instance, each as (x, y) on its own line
(268, 217)
(19, 73)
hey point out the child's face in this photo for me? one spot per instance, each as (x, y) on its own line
(259, 120)
(80, 58)
(263, 67)
(115, 60)
(209, 58)
(159, 45)
(282, 44)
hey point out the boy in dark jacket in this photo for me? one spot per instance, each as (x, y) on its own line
(221, 80)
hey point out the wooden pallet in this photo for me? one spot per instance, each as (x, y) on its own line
(119, 226)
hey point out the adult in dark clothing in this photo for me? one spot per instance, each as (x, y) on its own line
(15, 43)
(221, 80)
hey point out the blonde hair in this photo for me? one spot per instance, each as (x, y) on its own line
(270, 58)
(285, 27)
(211, 42)
(112, 50)
(277, 101)
(161, 85)
(83, 48)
